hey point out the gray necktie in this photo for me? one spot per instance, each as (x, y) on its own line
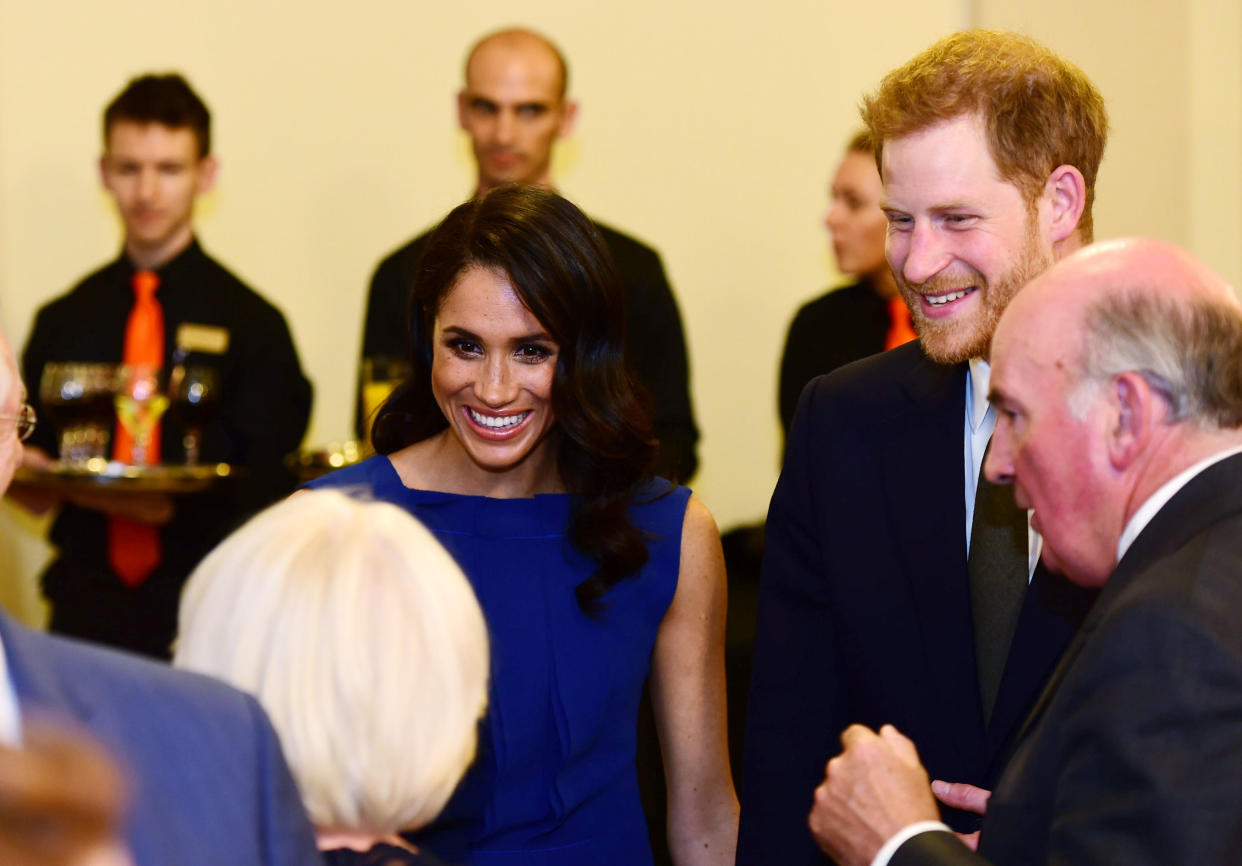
(998, 572)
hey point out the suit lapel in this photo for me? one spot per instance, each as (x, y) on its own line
(1051, 614)
(921, 456)
(1050, 635)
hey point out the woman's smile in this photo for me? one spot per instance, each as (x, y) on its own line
(495, 426)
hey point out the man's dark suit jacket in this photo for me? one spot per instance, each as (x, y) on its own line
(210, 785)
(864, 607)
(655, 342)
(1133, 754)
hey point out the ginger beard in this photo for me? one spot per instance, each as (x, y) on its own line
(960, 338)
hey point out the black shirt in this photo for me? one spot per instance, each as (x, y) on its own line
(264, 407)
(830, 331)
(655, 343)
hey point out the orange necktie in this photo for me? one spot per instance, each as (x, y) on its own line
(134, 548)
(900, 330)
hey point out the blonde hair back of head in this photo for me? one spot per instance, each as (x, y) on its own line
(363, 641)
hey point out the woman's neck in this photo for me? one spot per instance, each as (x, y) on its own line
(441, 464)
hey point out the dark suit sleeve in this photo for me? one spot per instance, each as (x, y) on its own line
(1150, 739)
(657, 349)
(284, 829)
(795, 709)
(935, 848)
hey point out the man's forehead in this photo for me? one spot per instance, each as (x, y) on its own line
(150, 135)
(1002, 356)
(525, 63)
(1040, 326)
(1018, 367)
(950, 155)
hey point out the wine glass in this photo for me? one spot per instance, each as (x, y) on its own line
(195, 397)
(77, 399)
(140, 401)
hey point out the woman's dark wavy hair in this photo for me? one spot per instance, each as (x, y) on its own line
(564, 274)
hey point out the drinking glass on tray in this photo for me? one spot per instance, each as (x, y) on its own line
(195, 397)
(140, 401)
(77, 398)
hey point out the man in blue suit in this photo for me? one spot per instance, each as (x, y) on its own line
(210, 785)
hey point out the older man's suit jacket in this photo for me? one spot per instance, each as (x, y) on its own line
(864, 609)
(210, 785)
(1133, 754)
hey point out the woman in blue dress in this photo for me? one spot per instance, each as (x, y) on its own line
(520, 441)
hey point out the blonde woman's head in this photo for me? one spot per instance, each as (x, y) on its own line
(364, 643)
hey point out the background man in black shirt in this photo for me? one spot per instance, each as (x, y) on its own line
(157, 161)
(513, 107)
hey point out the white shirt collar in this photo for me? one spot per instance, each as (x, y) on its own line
(1145, 512)
(10, 715)
(980, 376)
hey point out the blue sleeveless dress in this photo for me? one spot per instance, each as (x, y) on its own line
(554, 781)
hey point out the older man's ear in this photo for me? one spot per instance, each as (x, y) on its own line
(1135, 410)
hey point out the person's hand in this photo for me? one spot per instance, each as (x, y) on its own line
(36, 458)
(966, 797)
(873, 789)
(33, 497)
(962, 796)
(140, 506)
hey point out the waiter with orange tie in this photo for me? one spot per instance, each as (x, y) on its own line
(123, 555)
(860, 319)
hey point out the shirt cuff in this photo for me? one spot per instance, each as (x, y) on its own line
(899, 838)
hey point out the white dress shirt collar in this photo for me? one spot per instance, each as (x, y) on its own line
(979, 376)
(979, 423)
(1151, 507)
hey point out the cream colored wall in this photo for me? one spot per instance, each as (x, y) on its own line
(707, 129)
(1214, 58)
(1171, 74)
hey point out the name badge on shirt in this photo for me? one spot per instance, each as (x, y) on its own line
(202, 338)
